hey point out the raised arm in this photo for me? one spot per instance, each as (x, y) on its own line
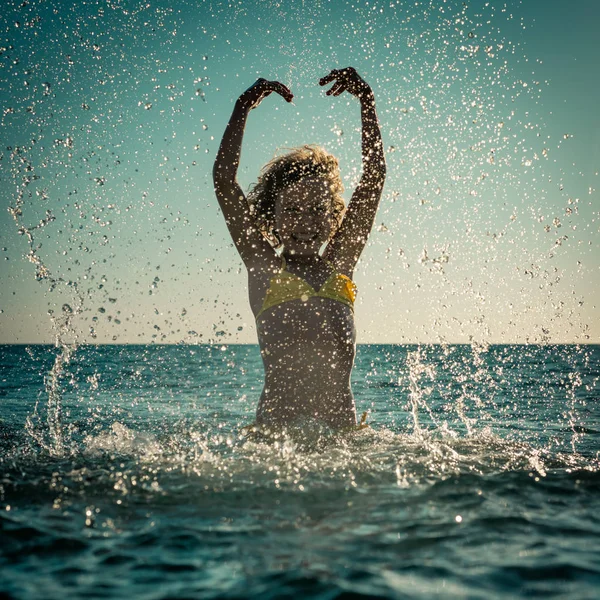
(247, 239)
(349, 241)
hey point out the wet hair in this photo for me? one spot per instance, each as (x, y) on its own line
(287, 169)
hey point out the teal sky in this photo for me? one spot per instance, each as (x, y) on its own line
(488, 227)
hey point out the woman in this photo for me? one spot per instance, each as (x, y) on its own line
(300, 248)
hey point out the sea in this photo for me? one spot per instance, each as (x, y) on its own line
(127, 472)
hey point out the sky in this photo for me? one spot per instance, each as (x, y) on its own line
(112, 114)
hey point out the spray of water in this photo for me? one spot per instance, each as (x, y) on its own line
(418, 369)
(51, 436)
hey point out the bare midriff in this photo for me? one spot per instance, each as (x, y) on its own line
(308, 351)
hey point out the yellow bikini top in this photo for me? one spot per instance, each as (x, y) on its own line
(286, 286)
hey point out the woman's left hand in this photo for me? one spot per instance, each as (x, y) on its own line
(346, 80)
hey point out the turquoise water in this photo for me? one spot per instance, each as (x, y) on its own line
(124, 472)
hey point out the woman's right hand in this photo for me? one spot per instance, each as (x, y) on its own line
(257, 92)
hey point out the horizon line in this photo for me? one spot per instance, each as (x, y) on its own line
(215, 344)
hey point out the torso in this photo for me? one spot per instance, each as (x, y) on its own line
(308, 350)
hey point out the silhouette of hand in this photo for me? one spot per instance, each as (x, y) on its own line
(258, 91)
(346, 80)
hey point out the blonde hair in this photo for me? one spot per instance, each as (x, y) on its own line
(282, 171)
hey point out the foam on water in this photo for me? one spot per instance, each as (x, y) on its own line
(363, 459)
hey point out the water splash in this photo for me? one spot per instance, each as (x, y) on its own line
(481, 376)
(361, 459)
(417, 368)
(50, 437)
